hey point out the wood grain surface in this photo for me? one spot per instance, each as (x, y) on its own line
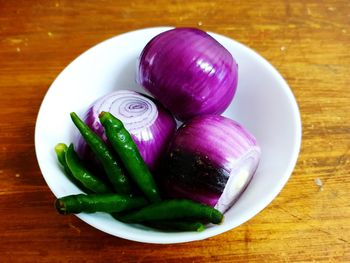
(308, 41)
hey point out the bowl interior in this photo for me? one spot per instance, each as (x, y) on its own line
(264, 104)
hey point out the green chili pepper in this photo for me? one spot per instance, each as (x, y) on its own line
(61, 150)
(176, 225)
(129, 154)
(81, 174)
(115, 174)
(109, 203)
(174, 209)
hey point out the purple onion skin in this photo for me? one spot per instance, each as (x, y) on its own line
(205, 153)
(151, 141)
(189, 72)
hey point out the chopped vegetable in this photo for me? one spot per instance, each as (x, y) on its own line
(109, 203)
(114, 172)
(127, 151)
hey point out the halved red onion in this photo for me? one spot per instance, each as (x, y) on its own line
(210, 160)
(189, 72)
(150, 125)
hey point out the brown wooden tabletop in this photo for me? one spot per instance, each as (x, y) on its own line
(308, 41)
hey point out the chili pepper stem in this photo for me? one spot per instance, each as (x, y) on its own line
(60, 207)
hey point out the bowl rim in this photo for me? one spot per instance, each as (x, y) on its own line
(182, 237)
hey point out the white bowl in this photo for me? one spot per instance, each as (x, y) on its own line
(264, 104)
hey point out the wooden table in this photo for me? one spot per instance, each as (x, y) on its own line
(308, 41)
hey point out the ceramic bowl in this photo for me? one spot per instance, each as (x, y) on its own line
(263, 103)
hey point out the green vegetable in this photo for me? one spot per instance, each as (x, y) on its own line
(81, 174)
(129, 154)
(175, 225)
(115, 174)
(61, 150)
(174, 209)
(108, 203)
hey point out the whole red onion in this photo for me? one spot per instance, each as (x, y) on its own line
(189, 72)
(210, 160)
